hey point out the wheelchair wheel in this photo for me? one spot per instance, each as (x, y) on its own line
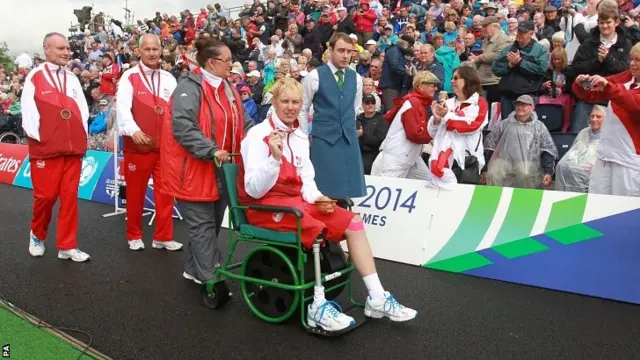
(217, 298)
(10, 138)
(270, 303)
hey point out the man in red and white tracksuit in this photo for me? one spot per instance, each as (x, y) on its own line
(143, 102)
(54, 117)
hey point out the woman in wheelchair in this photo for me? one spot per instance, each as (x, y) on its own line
(276, 170)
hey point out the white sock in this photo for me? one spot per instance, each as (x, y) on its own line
(376, 291)
(318, 296)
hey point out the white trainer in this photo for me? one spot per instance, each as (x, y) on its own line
(192, 278)
(169, 245)
(329, 317)
(36, 247)
(136, 245)
(73, 254)
(390, 307)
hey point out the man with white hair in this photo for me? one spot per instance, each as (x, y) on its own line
(54, 117)
(144, 93)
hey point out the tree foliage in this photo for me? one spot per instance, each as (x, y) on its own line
(5, 59)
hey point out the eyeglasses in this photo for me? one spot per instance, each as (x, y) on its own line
(224, 61)
(370, 102)
(456, 78)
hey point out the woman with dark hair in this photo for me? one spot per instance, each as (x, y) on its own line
(207, 122)
(456, 127)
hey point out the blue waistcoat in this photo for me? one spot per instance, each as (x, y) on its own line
(335, 151)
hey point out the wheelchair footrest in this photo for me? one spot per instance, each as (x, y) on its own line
(356, 312)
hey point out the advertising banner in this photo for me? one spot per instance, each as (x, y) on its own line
(397, 215)
(23, 178)
(12, 158)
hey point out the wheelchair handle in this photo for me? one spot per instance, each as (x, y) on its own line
(215, 159)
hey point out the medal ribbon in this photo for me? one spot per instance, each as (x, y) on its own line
(62, 92)
(156, 92)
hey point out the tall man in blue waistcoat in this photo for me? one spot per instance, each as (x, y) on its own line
(335, 92)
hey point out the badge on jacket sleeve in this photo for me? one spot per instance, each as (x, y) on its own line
(298, 161)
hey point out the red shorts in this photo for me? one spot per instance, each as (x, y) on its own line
(313, 222)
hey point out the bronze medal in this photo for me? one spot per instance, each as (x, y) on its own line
(66, 114)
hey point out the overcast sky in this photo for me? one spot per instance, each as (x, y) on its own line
(24, 26)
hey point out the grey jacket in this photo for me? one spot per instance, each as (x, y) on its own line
(492, 48)
(186, 109)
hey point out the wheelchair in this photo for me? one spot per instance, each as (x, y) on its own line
(277, 277)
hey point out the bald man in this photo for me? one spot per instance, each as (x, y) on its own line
(54, 117)
(143, 102)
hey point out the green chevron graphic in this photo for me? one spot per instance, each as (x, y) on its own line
(458, 254)
(514, 239)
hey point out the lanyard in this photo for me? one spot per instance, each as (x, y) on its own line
(62, 92)
(156, 91)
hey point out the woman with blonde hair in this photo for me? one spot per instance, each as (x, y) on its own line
(276, 170)
(401, 150)
(553, 89)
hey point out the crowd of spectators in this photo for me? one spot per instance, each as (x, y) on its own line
(526, 53)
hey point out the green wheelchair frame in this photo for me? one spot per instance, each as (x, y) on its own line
(215, 292)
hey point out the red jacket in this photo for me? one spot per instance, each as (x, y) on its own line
(624, 103)
(186, 176)
(109, 79)
(364, 23)
(58, 136)
(415, 119)
(143, 108)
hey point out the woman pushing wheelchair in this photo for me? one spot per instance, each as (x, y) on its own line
(276, 170)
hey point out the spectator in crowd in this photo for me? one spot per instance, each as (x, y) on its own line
(574, 169)
(520, 67)
(110, 76)
(369, 88)
(617, 168)
(394, 70)
(520, 150)
(554, 89)
(401, 150)
(249, 104)
(496, 42)
(372, 129)
(605, 52)
(456, 128)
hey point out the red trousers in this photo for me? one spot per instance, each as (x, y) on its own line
(51, 178)
(312, 223)
(138, 168)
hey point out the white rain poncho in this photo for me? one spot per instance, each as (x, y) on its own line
(574, 169)
(517, 148)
